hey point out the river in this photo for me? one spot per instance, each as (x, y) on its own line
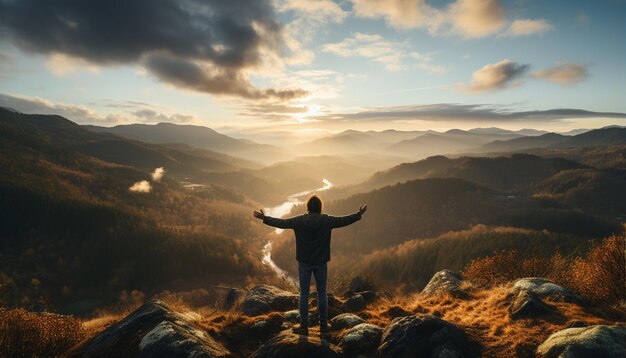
(280, 211)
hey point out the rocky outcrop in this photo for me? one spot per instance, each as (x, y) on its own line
(444, 282)
(293, 345)
(546, 290)
(354, 304)
(153, 330)
(345, 320)
(233, 297)
(361, 340)
(264, 298)
(591, 342)
(527, 305)
(423, 336)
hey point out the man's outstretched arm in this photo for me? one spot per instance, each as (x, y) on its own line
(275, 222)
(341, 221)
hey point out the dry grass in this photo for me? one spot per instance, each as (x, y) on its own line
(28, 334)
(599, 275)
(484, 317)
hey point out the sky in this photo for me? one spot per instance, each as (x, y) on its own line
(263, 68)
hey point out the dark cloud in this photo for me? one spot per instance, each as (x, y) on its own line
(467, 112)
(200, 45)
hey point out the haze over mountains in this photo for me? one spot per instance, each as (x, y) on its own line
(78, 238)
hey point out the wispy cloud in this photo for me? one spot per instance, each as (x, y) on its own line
(371, 46)
(480, 113)
(526, 27)
(563, 73)
(132, 112)
(496, 76)
(465, 18)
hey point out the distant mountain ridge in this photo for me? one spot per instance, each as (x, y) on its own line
(199, 137)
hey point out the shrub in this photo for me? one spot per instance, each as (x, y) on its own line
(28, 334)
(601, 276)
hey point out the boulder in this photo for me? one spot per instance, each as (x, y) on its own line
(369, 296)
(444, 282)
(423, 336)
(292, 345)
(545, 289)
(264, 298)
(527, 305)
(362, 339)
(591, 341)
(345, 320)
(360, 284)
(292, 316)
(233, 297)
(153, 330)
(354, 304)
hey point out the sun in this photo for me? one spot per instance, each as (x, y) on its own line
(312, 111)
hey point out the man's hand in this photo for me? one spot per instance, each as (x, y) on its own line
(362, 209)
(259, 214)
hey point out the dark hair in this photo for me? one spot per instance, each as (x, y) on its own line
(314, 204)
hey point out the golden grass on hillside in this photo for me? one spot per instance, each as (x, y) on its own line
(600, 275)
(28, 334)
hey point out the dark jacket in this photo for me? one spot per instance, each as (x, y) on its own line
(312, 234)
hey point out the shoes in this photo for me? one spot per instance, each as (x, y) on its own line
(324, 328)
(300, 329)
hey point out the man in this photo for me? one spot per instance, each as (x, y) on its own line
(313, 253)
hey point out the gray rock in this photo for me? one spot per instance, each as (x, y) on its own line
(444, 282)
(527, 305)
(264, 298)
(362, 339)
(423, 336)
(369, 296)
(292, 316)
(591, 341)
(293, 345)
(546, 290)
(233, 297)
(345, 320)
(354, 304)
(154, 330)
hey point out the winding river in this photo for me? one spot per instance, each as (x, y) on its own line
(280, 211)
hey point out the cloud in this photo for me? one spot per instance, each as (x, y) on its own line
(527, 27)
(425, 63)
(442, 112)
(371, 46)
(158, 174)
(219, 42)
(151, 116)
(476, 18)
(322, 10)
(141, 187)
(134, 111)
(563, 73)
(466, 18)
(496, 76)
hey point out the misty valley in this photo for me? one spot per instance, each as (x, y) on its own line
(97, 221)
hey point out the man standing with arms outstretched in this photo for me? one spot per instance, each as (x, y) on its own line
(312, 231)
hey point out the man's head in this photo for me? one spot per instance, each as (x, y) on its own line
(314, 204)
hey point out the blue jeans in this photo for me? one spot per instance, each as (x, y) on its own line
(320, 272)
